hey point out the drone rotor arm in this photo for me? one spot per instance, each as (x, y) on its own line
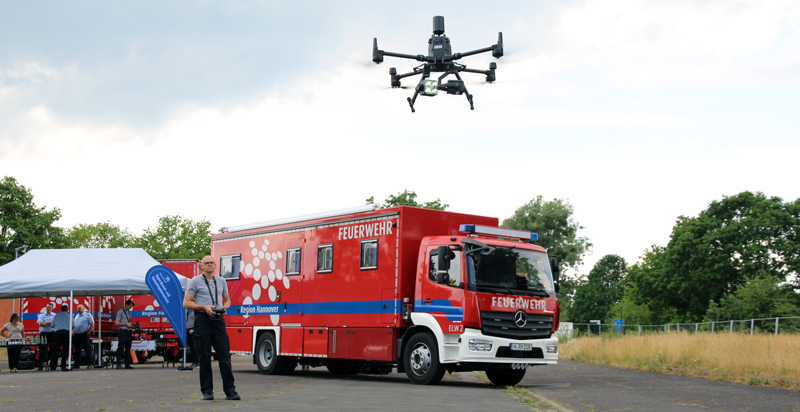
(417, 57)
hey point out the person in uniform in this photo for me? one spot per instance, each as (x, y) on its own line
(125, 335)
(62, 331)
(83, 326)
(46, 335)
(206, 295)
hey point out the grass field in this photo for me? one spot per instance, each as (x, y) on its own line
(750, 359)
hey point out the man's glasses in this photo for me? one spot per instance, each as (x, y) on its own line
(210, 263)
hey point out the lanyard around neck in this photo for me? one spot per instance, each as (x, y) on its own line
(214, 296)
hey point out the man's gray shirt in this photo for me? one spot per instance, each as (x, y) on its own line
(199, 287)
(83, 322)
(61, 321)
(124, 316)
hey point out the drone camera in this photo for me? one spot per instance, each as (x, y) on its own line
(454, 87)
(438, 25)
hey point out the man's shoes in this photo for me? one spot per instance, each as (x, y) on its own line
(119, 367)
(128, 367)
(208, 396)
(233, 397)
(90, 367)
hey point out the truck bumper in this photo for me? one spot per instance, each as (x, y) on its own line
(474, 346)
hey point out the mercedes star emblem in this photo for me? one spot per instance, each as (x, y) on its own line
(520, 319)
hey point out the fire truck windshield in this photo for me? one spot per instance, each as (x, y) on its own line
(508, 270)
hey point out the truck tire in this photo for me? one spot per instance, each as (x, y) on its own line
(505, 377)
(267, 359)
(421, 360)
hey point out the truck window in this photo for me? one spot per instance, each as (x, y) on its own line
(293, 261)
(369, 254)
(455, 266)
(324, 258)
(230, 266)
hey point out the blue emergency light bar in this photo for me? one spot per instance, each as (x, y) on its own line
(496, 231)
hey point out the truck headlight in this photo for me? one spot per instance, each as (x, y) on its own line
(480, 345)
(552, 348)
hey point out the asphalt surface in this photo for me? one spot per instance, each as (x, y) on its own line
(586, 387)
(153, 388)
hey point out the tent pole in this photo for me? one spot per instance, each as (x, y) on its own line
(69, 352)
(100, 330)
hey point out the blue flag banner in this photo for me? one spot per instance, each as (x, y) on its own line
(167, 290)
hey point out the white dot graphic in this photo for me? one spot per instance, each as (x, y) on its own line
(264, 248)
(272, 293)
(274, 319)
(149, 307)
(266, 241)
(267, 256)
(272, 264)
(264, 282)
(286, 283)
(252, 243)
(256, 261)
(256, 291)
(247, 301)
(248, 269)
(274, 256)
(155, 303)
(255, 252)
(278, 274)
(271, 275)
(261, 254)
(257, 274)
(280, 256)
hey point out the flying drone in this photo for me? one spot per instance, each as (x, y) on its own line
(439, 59)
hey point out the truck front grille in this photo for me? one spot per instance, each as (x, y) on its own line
(501, 324)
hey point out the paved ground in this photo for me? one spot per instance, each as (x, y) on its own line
(586, 387)
(152, 388)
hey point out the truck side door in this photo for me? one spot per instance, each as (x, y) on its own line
(444, 301)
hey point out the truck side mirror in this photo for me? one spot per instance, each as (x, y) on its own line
(443, 265)
(555, 270)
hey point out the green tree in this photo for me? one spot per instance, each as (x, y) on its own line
(99, 235)
(407, 198)
(601, 290)
(176, 237)
(711, 255)
(22, 223)
(558, 231)
(566, 297)
(759, 297)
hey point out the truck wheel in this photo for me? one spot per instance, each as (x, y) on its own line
(267, 359)
(421, 360)
(505, 377)
(266, 355)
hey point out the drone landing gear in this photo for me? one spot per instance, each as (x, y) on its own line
(411, 102)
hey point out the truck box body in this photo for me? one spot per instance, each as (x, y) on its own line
(357, 286)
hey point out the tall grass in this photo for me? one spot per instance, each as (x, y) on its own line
(751, 359)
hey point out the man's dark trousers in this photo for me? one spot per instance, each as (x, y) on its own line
(210, 333)
(60, 349)
(81, 341)
(124, 347)
(44, 350)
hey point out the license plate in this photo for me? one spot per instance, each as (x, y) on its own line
(521, 346)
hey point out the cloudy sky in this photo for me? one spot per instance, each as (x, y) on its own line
(237, 112)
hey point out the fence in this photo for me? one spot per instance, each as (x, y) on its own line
(751, 326)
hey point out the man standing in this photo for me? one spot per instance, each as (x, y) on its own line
(84, 326)
(206, 295)
(46, 335)
(61, 326)
(125, 335)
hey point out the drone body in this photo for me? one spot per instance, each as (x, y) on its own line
(440, 59)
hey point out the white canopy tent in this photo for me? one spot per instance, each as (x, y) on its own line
(78, 272)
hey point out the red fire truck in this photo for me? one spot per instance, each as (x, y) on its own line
(367, 290)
